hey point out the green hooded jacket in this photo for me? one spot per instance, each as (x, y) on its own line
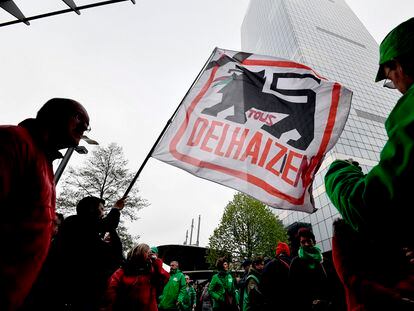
(399, 41)
(383, 197)
(189, 298)
(220, 283)
(174, 291)
(251, 290)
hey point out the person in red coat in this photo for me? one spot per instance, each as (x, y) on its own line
(134, 286)
(375, 275)
(27, 192)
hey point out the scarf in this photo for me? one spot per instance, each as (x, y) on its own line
(311, 254)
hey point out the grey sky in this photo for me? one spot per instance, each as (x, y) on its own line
(130, 65)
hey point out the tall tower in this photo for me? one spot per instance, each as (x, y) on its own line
(327, 36)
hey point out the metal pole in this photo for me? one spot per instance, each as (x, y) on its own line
(165, 128)
(191, 232)
(65, 160)
(63, 164)
(79, 8)
(186, 237)
(198, 231)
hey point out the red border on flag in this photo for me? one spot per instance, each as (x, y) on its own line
(336, 90)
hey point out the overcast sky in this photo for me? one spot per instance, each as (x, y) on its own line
(130, 66)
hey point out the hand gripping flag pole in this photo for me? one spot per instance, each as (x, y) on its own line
(166, 127)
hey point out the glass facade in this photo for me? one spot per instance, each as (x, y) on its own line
(327, 36)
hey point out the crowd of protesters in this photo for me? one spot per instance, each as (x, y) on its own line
(305, 281)
(77, 263)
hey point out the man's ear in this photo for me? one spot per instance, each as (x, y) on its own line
(399, 69)
(400, 76)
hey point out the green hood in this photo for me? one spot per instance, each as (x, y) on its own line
(400, 41)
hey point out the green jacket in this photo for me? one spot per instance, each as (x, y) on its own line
(383, 197)
(189, 299)
(220, 283)
(174, 291)
(251, 290)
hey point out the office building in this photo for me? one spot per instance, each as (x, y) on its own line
(327, 36)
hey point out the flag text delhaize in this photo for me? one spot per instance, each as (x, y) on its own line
(258, 124)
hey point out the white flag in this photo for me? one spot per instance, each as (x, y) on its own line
(258, 124)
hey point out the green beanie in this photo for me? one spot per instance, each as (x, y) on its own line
(154, 249)
(400, 41)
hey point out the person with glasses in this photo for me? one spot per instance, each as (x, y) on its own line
(27, 192)
(189, 299)
(377, 205)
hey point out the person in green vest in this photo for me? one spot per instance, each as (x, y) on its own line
(189, 299)
(377, 205)
(253, 299)
(174, 291)
(222, 288)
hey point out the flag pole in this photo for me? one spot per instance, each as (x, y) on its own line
(166, 127)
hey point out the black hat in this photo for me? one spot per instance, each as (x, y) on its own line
(246, 263)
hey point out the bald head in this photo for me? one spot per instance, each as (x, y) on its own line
(56, 108)
(65, 120)
(174, 265)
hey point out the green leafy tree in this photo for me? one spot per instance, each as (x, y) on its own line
(105, 175)
(248, 228)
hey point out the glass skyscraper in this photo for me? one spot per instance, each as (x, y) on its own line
(327, 36)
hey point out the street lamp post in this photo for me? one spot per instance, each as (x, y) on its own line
(68, 154)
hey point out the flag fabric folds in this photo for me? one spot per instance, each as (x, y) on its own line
(258, 124)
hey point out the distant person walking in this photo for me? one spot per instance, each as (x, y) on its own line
(241, 282)
(27, 192)
(275, 279)
(222, 288)
(205, 299)
(174, 291)
(253, 298)
(189, 300)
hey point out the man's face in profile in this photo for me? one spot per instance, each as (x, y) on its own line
(173, 266)
(70, 131)
(78, 124)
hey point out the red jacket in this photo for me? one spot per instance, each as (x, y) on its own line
(27, 207)
(135, 292)
(375, 274)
